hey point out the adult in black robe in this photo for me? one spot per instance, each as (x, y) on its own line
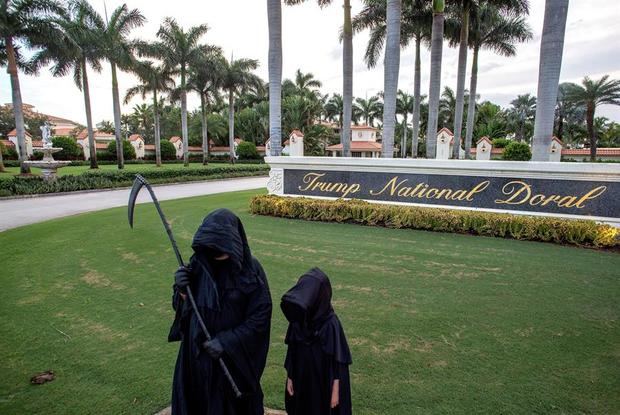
(233, 298)
(318, 354)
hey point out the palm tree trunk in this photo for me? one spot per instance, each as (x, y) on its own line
(591, 132)
(184, 132)
(274, 13)
(390, 76)
(231, 125)
(347, 80)
(551, 48)
(205, 139)
(434, 84)
(156, 130)
(403, 151)
(2, 169)
(18, 110)
(116, 103)
(460, 82)
(416, 100)
(92, 145)
(471, 108)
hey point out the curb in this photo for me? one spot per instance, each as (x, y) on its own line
(111, 189)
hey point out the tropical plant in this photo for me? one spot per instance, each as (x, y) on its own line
(167, 150)
(205, 80)
(517, 151)
(129, 152)
(466, 8)
(235, 76)
(521, 114)
(590, 94)
(274, 15)
(304, 84)
(73, 49)
(490, 29)
(416, 19)
(106, 126)
(369, 109)
(334, 109)
(153, 79)
(347, 73)
(178, 49)
(117, 49)
(24, 24)
(246, 150)
(70, 148)
(404, 103)
(435, 77)
(490, 121)
(551, 47)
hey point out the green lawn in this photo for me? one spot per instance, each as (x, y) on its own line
(437, 323)
(11, 171)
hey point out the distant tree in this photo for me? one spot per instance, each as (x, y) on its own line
(129, 153)
(590, 94)
(521, 114)
(106, 126)
(369, 109)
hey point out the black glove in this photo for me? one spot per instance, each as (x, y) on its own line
(214, 348)
(182, 277)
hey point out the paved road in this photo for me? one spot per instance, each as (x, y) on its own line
(19, 212)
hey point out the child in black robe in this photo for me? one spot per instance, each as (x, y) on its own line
(318, 357)
(232, 295)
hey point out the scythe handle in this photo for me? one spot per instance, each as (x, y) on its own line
(175, 248)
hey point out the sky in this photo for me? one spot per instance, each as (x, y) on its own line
(310, 43)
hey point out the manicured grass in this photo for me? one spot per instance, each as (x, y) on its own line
(437, 323)
(73, 170)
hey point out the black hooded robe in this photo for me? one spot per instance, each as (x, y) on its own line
(234, 300)
(318, 352)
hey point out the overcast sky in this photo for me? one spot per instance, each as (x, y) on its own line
(310, 42)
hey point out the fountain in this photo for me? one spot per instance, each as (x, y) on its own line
(47, 165)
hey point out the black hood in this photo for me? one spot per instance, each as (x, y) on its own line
(223, 231)
(309, 301)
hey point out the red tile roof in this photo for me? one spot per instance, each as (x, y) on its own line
(447, 130)
(175, 139)
(149, 147)
(358, 146)
(13, 133)
(363, 127)
(485, 138)
(7, 143)
(297, 133)
(63, 131)
(135, 137)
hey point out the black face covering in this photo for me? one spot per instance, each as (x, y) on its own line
(308, 303)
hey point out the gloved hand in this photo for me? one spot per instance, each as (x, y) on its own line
(181, 278)
(214, 348)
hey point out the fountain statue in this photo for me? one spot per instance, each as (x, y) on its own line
(47, 165)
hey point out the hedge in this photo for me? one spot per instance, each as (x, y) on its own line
(121, 178)
(533, 228)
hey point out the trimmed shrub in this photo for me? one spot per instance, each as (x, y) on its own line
(168, 152)
(129, 153)
(8, 153)
(104, 179)
(70, 149)
(533, 228)
(247, 150)
(500, 142)
(517, 151)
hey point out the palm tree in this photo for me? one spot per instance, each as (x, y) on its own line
(465, 9)
(435, 78)
(347, 73)
(24, 23)
(72, 50)
(404, 102)
(590, 94)
(493, 30)
(118, 51)
(205, 80)
(522, 112)
(334, 109)
(416, 21)
(274, 15)
(235, 76)
(153, 79)
(306, 82)
(551, 48)
(369, 109)
(178, 48)
(390, 78)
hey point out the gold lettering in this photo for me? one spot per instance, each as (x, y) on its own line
(515, 188)
(536, 199)
(431, 193)
(592, 194)
(391, 184)
(310, 179)
(567, 201)
(441, 193)
(459, 195)
(477, 189)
